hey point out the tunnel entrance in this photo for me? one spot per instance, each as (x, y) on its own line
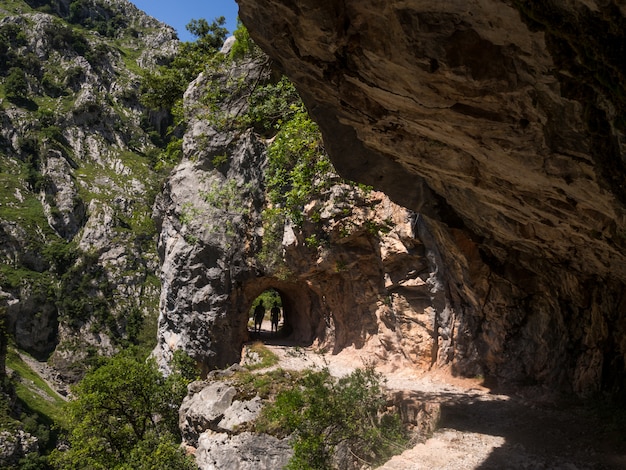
(266, 317)
(303, 316)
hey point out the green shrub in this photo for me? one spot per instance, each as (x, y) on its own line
(63, 37)
(16, 85)
(298, 168)
(321, 412)
(185, 366)
(272, 106)
(61, 255)
(244, 46)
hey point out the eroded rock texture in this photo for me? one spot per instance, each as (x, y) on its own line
(502, 123)
(353, 274)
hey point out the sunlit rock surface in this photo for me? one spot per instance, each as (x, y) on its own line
(359, 272)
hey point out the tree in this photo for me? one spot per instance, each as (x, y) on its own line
(244, 46)
(162, 88)
(209, 36)
(125, 412)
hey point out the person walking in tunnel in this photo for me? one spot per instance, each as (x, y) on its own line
(275, 316)
(259, 313)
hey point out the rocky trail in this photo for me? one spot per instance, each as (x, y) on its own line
(481, 428)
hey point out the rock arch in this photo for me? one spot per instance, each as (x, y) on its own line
(306, 316)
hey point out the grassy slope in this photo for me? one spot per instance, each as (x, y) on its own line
(33, 390)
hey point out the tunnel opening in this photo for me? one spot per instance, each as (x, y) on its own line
(266, 317)
(303, 317)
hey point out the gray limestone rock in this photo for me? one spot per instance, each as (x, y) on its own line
(241, 412)
(204, 410)
(246, 451)
(63, 206)
(16, 445)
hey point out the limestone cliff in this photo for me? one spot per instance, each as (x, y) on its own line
(502, 124)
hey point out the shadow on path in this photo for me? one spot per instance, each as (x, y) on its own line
(277, 338)
(538, 434)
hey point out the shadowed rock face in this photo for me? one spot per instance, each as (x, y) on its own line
(502, 122)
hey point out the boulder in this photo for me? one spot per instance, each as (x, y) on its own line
(210, 423)
(244, 451)
(204, 410)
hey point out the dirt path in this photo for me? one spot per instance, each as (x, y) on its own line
(480, 429)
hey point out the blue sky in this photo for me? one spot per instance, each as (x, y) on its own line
(178, 13)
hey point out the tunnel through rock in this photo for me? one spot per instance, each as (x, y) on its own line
(303, 316)
(267, 308)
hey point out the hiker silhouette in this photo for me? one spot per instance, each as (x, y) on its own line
(259, 313)
(275, 316)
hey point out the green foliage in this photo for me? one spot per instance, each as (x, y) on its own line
(219, 160)
(377, 229)
(312, 241)
(157, 453)
(322, 413)
(272, 106)
(85, 294)
(63, 37)
(98, 17)
(266, 357)
(16, 85)
(298, 168)
(185, 366)
(124, 413)
(12, 36)
(164, 87)
(61, 255)
(134, 325)
(209, 37)
(244, 46)
(160, 89)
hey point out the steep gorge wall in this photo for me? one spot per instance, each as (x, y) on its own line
(502, 123)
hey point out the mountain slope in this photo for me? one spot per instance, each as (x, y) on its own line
(77, 257)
